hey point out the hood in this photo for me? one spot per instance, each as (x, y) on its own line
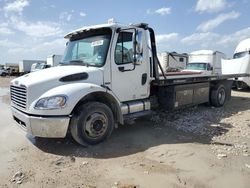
(56, 73)
(193, 71)
(39, 82)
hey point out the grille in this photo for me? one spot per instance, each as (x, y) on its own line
(18, 95)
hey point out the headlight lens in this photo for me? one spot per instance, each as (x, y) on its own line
(55, 102)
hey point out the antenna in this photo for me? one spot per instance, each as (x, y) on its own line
(111, 21)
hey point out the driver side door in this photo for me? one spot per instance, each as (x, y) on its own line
(129, 81)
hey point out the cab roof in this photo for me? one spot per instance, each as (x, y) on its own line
(243, 46)
(88, 28)
(109, 25)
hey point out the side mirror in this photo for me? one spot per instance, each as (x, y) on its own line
(138, 47)
(139, 41)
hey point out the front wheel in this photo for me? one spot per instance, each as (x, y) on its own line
(92, 123)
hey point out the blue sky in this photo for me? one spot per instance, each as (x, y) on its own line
(34, 29)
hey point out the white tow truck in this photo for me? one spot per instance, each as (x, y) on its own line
(109, 73)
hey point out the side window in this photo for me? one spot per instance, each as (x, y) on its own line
(124, 48)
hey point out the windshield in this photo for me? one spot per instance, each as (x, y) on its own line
(40, 65)
(197, 66)
(90, 50)
(240, 54)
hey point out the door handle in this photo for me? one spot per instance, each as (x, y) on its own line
(144, 77)
(121, 69)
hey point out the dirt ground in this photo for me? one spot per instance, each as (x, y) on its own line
(198, 147)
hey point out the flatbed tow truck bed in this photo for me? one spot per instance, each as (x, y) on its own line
(177, 79)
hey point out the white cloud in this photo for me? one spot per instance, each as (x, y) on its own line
(211, 5)
(235, 37)
(211, 24)
(6, 43)
(52, 47)
(167, 42)
(83, 14)
(164, 38)
(34, 50)
(4, 30)
(69, 17)
(38, 29)
(16, 6)
(203, 39)
(161, 11)
(66, 16)
(214, 41)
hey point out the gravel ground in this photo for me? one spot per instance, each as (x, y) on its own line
(194, 147)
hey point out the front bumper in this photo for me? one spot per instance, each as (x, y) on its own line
(48, 127)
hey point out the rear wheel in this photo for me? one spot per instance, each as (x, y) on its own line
(218, 96)
(92, 123)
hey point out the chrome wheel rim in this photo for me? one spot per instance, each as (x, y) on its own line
(222, 96)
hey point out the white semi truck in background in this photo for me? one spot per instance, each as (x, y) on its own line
(52, 61)
(239, 64)
(173, 61)
(108, 74)
(39, 66)
(205, 62)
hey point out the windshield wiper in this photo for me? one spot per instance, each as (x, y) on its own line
(77, 62)
(74, 62)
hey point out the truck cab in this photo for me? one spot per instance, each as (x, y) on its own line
(239, 64)
(104, 67)
(39, 66)
(206, 62)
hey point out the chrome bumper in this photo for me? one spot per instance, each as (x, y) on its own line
(48, 127)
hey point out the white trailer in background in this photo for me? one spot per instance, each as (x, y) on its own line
(205, 61)
(54, 60)
(239, 64)
(25, 65)
(172, 60)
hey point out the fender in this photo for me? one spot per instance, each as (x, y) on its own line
(74, 92)
(107, 98)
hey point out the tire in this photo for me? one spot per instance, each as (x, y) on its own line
(91, 123)
(218, 96)
(241, 85)
(4, 74)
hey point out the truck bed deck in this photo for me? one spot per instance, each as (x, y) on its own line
(182, 73)
(177, 79)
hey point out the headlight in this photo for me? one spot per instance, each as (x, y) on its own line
(55, 102)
